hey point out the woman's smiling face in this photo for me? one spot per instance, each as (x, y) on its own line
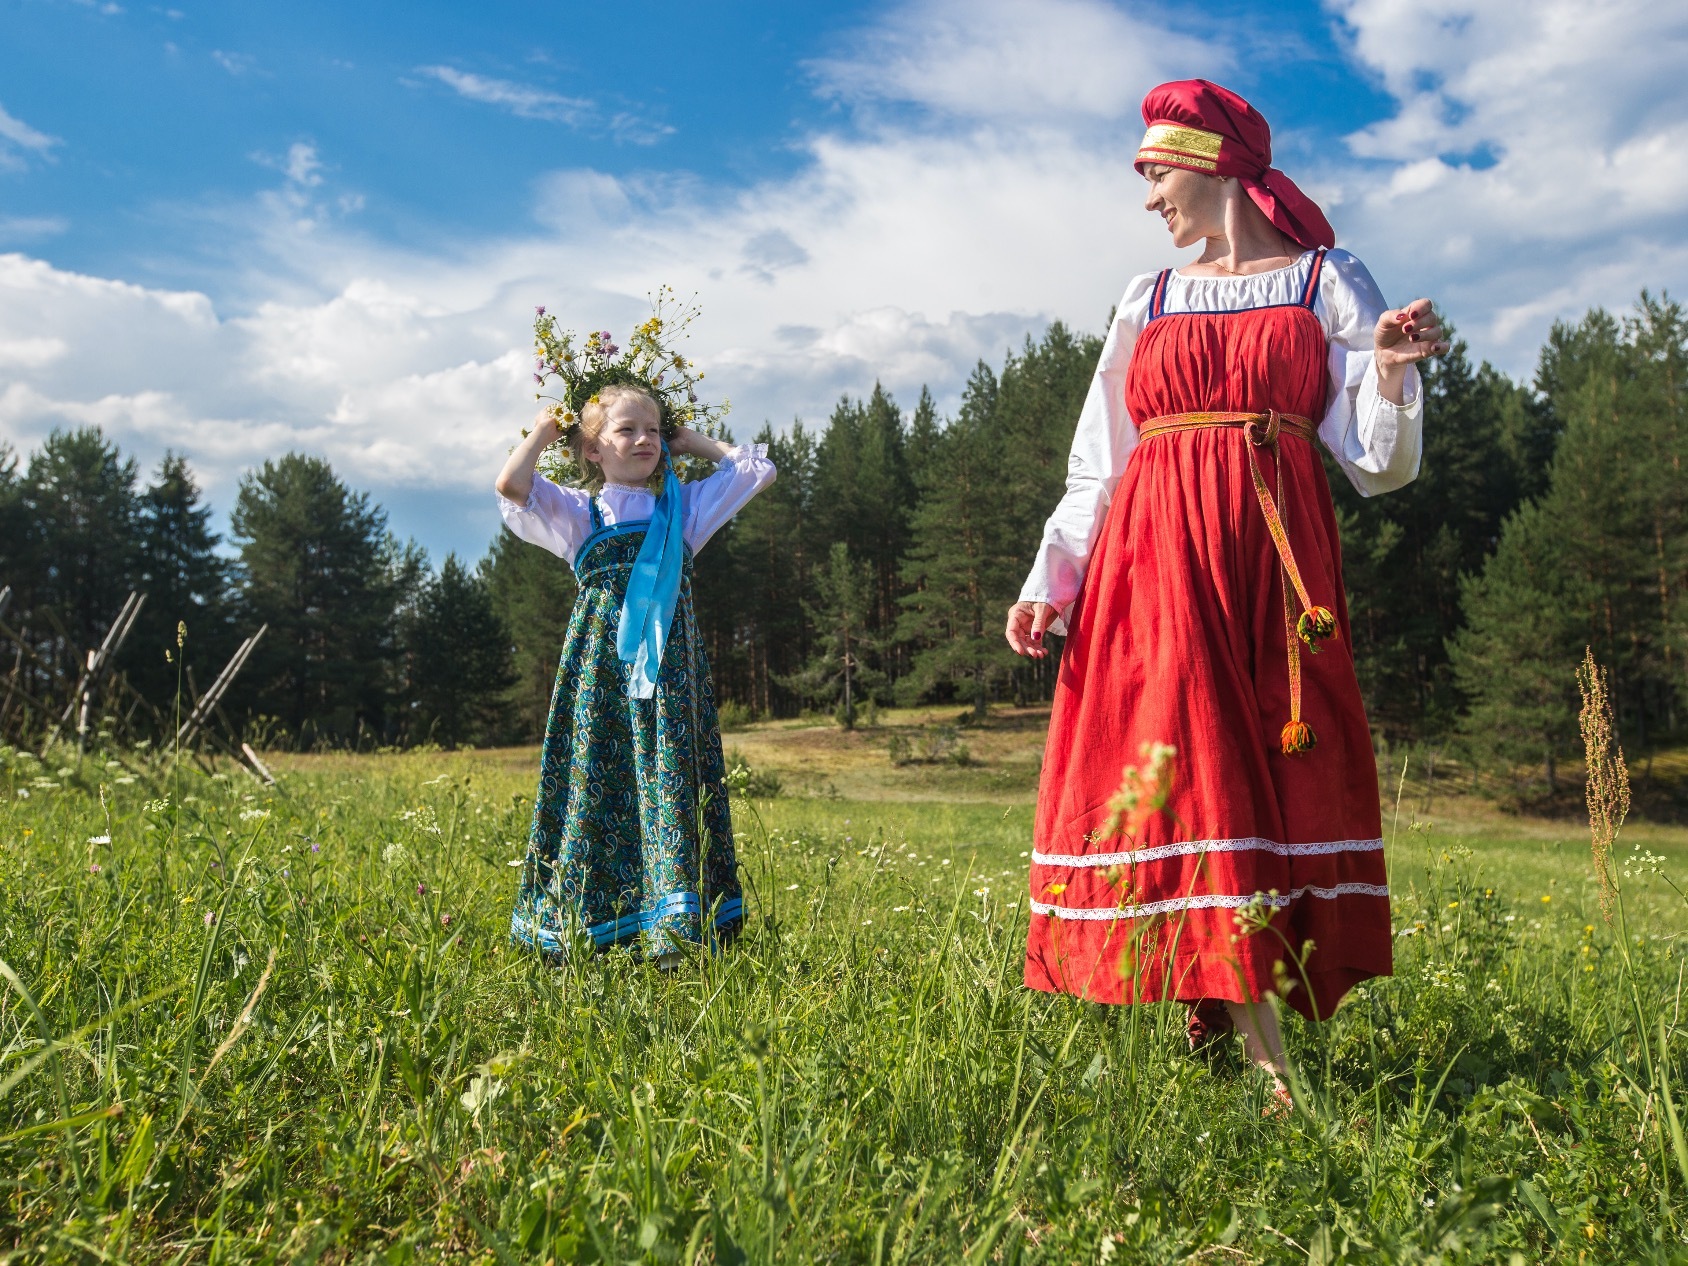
(1191, 204)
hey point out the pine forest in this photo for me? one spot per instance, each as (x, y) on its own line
(877, 570)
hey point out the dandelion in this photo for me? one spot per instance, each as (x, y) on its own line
(1055, 889)
(1546, 900)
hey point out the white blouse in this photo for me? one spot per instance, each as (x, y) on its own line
(559, 518)
(1375, 442)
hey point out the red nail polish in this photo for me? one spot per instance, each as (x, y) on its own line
(1037, 635)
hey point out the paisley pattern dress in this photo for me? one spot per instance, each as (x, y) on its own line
(631, 835)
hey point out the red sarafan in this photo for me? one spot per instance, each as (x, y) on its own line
(1179, 636)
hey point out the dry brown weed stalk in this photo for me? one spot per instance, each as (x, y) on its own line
(1608, 776)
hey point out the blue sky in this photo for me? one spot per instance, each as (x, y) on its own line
(238, 229)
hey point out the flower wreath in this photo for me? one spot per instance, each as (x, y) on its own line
(652, 362)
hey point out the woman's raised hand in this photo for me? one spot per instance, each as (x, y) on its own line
(1409, 334)
(1026, 624)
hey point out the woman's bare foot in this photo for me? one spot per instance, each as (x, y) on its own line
(1263, 1041)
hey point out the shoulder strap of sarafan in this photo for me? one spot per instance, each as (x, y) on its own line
(1312, 291)
(1157, 299)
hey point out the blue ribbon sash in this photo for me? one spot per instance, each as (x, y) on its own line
(653, 590)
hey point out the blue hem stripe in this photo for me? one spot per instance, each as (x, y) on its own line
(628, 926)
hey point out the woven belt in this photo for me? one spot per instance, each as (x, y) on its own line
(1315, 623)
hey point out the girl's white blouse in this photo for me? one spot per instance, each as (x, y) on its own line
(560, 519)
(1375, 442)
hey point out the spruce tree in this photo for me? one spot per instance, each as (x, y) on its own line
(319, 567)
(82, 515)
(773, 548)
(1600, 560)
(532, 594)
(186, 581)
(1404, 553)
(965, 564)
(843, 666)
(458, 659)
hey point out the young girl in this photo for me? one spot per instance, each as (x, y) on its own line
(631, 833)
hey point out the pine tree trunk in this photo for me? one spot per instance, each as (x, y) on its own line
(849, 695)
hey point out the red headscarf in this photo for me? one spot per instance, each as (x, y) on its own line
(1203, 127)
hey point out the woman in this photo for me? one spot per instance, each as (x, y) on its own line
(1194, 566)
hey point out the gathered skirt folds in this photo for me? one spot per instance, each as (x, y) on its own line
(632, 834)
(1266, 871)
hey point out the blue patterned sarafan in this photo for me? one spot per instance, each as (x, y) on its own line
(632, 835)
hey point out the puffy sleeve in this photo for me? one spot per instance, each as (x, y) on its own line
(554, 518)
(1102, 444)
(1376, 443)
(711, 503)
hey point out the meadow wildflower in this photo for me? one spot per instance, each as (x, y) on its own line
(99, 839)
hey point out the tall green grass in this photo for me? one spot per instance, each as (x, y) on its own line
(286, 1024)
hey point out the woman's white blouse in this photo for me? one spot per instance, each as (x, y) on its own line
(1376, 443)
(559, 518)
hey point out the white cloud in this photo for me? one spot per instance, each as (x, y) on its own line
(522, 100)
(17, 135)
(978, 184)
(16, 229)
(237, 64)
(528, 102)
(1013, 62)
(1577, 117)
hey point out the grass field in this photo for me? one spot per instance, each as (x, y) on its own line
(241, 1023)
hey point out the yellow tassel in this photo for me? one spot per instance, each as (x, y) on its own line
(1298, 737)
(1315, 625)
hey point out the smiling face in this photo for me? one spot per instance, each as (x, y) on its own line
(629, 446)
(1191, 204)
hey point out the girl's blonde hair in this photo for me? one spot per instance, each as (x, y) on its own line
(593, 414)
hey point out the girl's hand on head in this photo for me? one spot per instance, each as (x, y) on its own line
(545, 423)
(1026, 624)
(1406, 335)
(681, 445)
